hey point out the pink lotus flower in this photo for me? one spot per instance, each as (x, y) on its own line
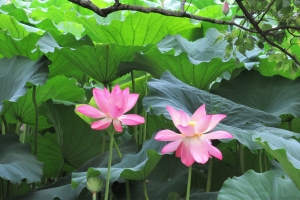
(225, 8)
(193, 144)
(112, 107)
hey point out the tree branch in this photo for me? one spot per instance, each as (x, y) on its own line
(104, 12)
(282, 27)
(262, 33)
(268, 8)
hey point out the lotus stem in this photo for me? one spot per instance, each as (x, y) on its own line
(18, 125)
(111, 143)
(135, 132)
(94, 195)
(145, 190)
(241, 152)
(117, 149)
(260, 161)
(4, 125)
(127, 189)
(36, 125)
(208, 183)
(188, 189)
(265, 159)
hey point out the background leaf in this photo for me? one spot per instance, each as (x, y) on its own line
(258, 186)
(16, 72)
(277, 96)
(17, 162)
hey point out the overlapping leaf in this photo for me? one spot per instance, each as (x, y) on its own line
(170, 91)
(17, 162)
(198, 75)
(286, 151)
(253, 185)
(58, 88)
(132, 166)
(275, 95)
(16, 72)
(100, 62)
(76, 140)
(137, 29)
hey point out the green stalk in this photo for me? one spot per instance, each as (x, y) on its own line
(36, 125)
(117, 149)
(18, 125)
(3, 128)
(145, 114)
(188, 189)
(127, 189)
(145, 127)
(23, 134)
(145, 190)
(94, 195)
(4, 125)
(237, 157)
(111, 144)
(265, 159)
(60, 170)
(259, 161)
(135, 132)
(241, 152)
(2, 193)
(208, 183)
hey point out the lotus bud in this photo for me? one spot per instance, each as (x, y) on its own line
(94, 184)
(225, 8)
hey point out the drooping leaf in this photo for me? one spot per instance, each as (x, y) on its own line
(277, 96)
(253, 185)
(169, 175)
(17, 162)
(16, 72)
(132, 166)
(62, 187)
(267, 68)
(205, 49)
(170, 91)
(286, 151)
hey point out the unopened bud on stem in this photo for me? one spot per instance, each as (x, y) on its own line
(225, 8)
(94, 184)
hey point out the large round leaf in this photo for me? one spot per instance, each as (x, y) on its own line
(100, 62)
(74, 144)
(198, 74)
(58, 88)
(16, 72)
(136, 29)
(170, 91)
(258, 186)
(286, 151)
(17, 162)
(275, 95)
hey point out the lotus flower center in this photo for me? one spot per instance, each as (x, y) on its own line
(192, 123)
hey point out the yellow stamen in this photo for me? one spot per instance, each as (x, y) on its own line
(192, 123)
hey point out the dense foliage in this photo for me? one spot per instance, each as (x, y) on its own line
(182, 54)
